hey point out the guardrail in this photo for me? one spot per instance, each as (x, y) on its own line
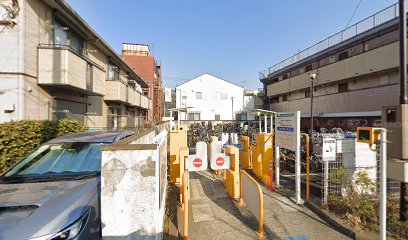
(381, 17)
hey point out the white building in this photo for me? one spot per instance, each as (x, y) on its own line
(212, 98)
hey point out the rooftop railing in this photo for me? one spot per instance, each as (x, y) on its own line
(388, 14)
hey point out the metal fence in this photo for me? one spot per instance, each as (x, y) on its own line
(365, 25)
(335, 186)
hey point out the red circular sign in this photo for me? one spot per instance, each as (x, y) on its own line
(220, 161)
(197, 162)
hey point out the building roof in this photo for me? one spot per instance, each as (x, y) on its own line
(93, 137)
(70, 13)
(211, 76)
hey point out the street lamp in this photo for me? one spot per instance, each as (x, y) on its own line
(312, 78)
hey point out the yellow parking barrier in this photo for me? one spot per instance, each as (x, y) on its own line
(231, 178)
(178, 139)
(263, 156)
(245, 155)
(248, 198)
(185, 204)
(184, 186)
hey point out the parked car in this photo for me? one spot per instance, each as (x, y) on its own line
(54, 192)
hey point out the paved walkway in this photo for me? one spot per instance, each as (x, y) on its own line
(213, 215)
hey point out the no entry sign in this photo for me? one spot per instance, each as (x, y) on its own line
(220, 161)
(197, 162)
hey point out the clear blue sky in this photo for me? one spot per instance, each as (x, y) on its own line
(231, 39)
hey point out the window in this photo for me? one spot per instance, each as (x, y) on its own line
(113, 72)
(76, 42)
(224, 96)
(391, 115)
(184, 97)
(285, 98)
(193, 116)
(343, 87)
(60, 35)
(64, 36)
(307, 94)
(343, 55)
(199, 95)
(274, 100)
(89, 75)
(285, 76)
(309, 68)
(217, 96)
(241, 117)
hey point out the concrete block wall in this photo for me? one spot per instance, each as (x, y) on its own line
(134, 186)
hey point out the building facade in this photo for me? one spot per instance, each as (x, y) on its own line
(356, 74)
(138, 56)
(53, 65)
(212, 98)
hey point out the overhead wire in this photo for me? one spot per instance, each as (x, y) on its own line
(354, 13)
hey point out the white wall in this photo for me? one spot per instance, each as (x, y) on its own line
(211, 103)
(133, 190)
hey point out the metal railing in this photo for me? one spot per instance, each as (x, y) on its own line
(381, 17)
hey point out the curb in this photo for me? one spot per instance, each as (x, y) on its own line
(339, 226)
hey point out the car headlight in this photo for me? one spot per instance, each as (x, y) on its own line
(72, 230)
(69, 232)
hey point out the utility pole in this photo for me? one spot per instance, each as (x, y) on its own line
(232, 108)
(403, 102)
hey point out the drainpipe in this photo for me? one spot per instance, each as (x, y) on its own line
(404, 103)
(20, 62)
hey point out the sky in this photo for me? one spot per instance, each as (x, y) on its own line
(231, 39)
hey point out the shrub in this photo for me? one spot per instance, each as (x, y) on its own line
(18, 138)
(359, 205)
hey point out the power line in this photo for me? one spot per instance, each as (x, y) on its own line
(176, 78)
(354, 13)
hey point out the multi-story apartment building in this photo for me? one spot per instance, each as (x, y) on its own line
(356, 74)
(139, 57)
(53, 65)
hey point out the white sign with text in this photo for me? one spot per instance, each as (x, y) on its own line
(287, 129)
(329, 149)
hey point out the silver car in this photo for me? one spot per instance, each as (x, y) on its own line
(54, 192)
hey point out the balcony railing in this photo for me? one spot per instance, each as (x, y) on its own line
(62, 66)
(119, 91)
(384, 16)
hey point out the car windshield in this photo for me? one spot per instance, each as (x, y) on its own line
(65, 160)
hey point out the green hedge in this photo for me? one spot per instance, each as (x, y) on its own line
(18, 138)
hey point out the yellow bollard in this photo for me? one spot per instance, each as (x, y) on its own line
(245, 153)
(231, 178)
(178, 139)
(183, 154)
(263, 156)
(185, 204)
